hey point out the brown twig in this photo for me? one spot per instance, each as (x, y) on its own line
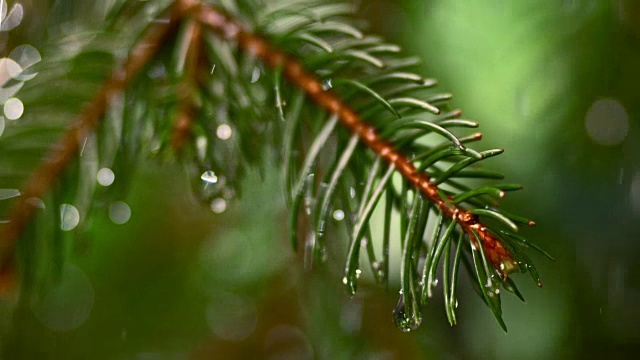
(66, 149)
(231, 30)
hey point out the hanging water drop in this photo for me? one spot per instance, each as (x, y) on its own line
(326, 85)
(406, 321)
(209, 177)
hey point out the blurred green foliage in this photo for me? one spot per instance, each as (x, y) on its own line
(178, 281)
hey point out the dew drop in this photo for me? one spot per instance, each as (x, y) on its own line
(326, 85)
(406, 322)
(607, 122)
(65, 305)
(224, 132)
(255, 75)
(338, 215)
(13, 19)
(105, 177)
(26, 56)
(119, 212)
(209, 177)
(435, 282)
(358, 272)
(36, 203)
(69, 217)
(352, 192)
(456, 303)
(345, 280)
(219, 205)
(9, 69)
(13, 109)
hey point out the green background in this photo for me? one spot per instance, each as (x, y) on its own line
(179, 282)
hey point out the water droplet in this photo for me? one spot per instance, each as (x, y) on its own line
(105, 177)
(338, 215)
(350, 282)
(255, 75)
(36, 202)
(213, 68)
(26, 56)
(13, 109)
(358, 272)
(456, 303)
(607, 122)
(64, 305)
(406, 321)
(119, 212)
(209, 177)
(69, 217)
(219, 205)
(13, 19)
(352, 192)
(326, 85)
(435, 282)
(497, 291)
(224, 132)
(9, 69)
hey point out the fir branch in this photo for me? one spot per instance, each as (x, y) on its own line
(388, 120)
(227, 27)
(65, 150)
